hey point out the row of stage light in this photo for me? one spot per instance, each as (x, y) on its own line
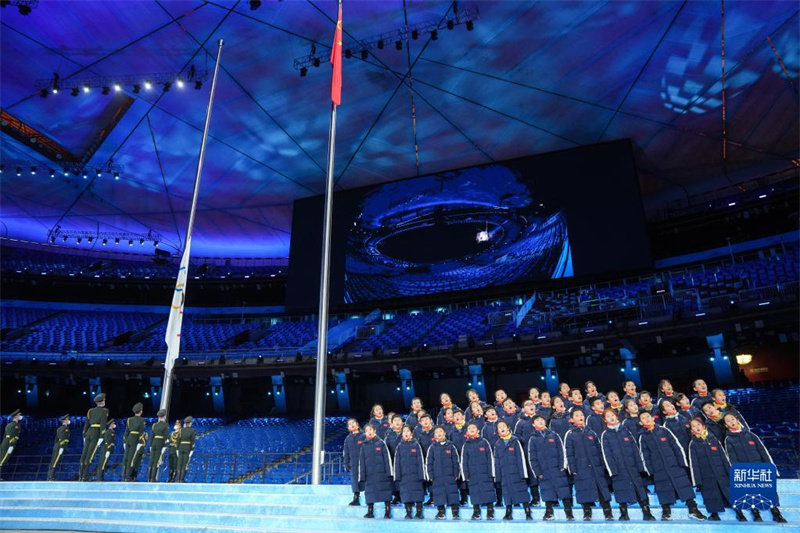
(117, 87)
(66, 172)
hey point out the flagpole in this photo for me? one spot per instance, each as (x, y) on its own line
(324, 284)
(173, 335)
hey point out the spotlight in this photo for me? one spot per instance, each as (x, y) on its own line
(64, 238)
(155, 244)
(52, 240)
(364, 54)
(136, 88)
(52, 173)
(435, 35)
(348, 53)
(19, 171)
(74, 91)
(106, 90)
(148, 85)
(179, 83)
(415, 34)
(116, 175)
(130, 242)
(255, 4)
(85, 175)
(55, 89)
(380, 44)
(33, 171)
(303, 72)
(398, 45)
(116, 240)
(43, 93)
(141, 241)
(99, 172)
(470, 25)
(167, 86)
(78, 240)
(24, 9)
(117, 87)
(85, 88)
(316, 61)
(450, 24)
(198, 85)
(89, 239)
(66, 172)
(105, 241)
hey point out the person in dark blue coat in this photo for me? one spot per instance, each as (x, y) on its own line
(614, 401)
(665, 460)
(624, 466)
(409, 472)
(352, 447)
(447, 403)
(500, 397)
(576, 399)
(700, 396)
(523, 430)
(677, 423)
(665, 391)
(744, 446)
(444, 471)
(596, 421)
(710, 469)
(547, 462)
(591, 393)
(585, 463)
(646, 404)
(412, 417)
(560, 419)
(510, 413)
(716, 425)
(378, 420)
(476, 415)
(489, 430)
(477, 468)
(424, 432)
(456, 434)
(376, 470)
(511, 471)
(392, 439)
(630, 416)
(545, 408)
(629, 388)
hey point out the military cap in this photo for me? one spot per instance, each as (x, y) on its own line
(65, 417)
(16, 412)
(112, 421)
(100, 397)
(188, 420)
(138, 407)
(161, 412)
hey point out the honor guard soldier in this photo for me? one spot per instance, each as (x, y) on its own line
(160, 433)
(96, 420)
(185, 448)
(138, 456)
(109, 441)
(133, 432)
(174, 441)
(10, 437)
(60, 444)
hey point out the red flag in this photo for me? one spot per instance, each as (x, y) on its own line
(336, 60)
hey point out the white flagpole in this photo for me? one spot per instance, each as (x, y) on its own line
(324, 293)
(173, 335)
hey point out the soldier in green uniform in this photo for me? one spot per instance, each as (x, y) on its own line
(10, 437)
(96, 420)
(185, 448)
(174, 441)
(109, 441)
(59, 446)
(160, 433)
(134, 429)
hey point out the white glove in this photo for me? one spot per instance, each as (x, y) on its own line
(99, 442)
(10, 449)
(191, 453)
(107, 454)
(138, 446)
(60, 451)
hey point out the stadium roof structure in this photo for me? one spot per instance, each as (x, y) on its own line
(490, 80)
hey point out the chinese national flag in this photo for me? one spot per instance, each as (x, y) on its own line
(336, 60)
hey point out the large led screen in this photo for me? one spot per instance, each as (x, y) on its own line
(575, 212)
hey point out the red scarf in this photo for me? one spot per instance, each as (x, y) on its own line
(651, 427)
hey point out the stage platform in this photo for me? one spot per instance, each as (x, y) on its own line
(159, 507)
